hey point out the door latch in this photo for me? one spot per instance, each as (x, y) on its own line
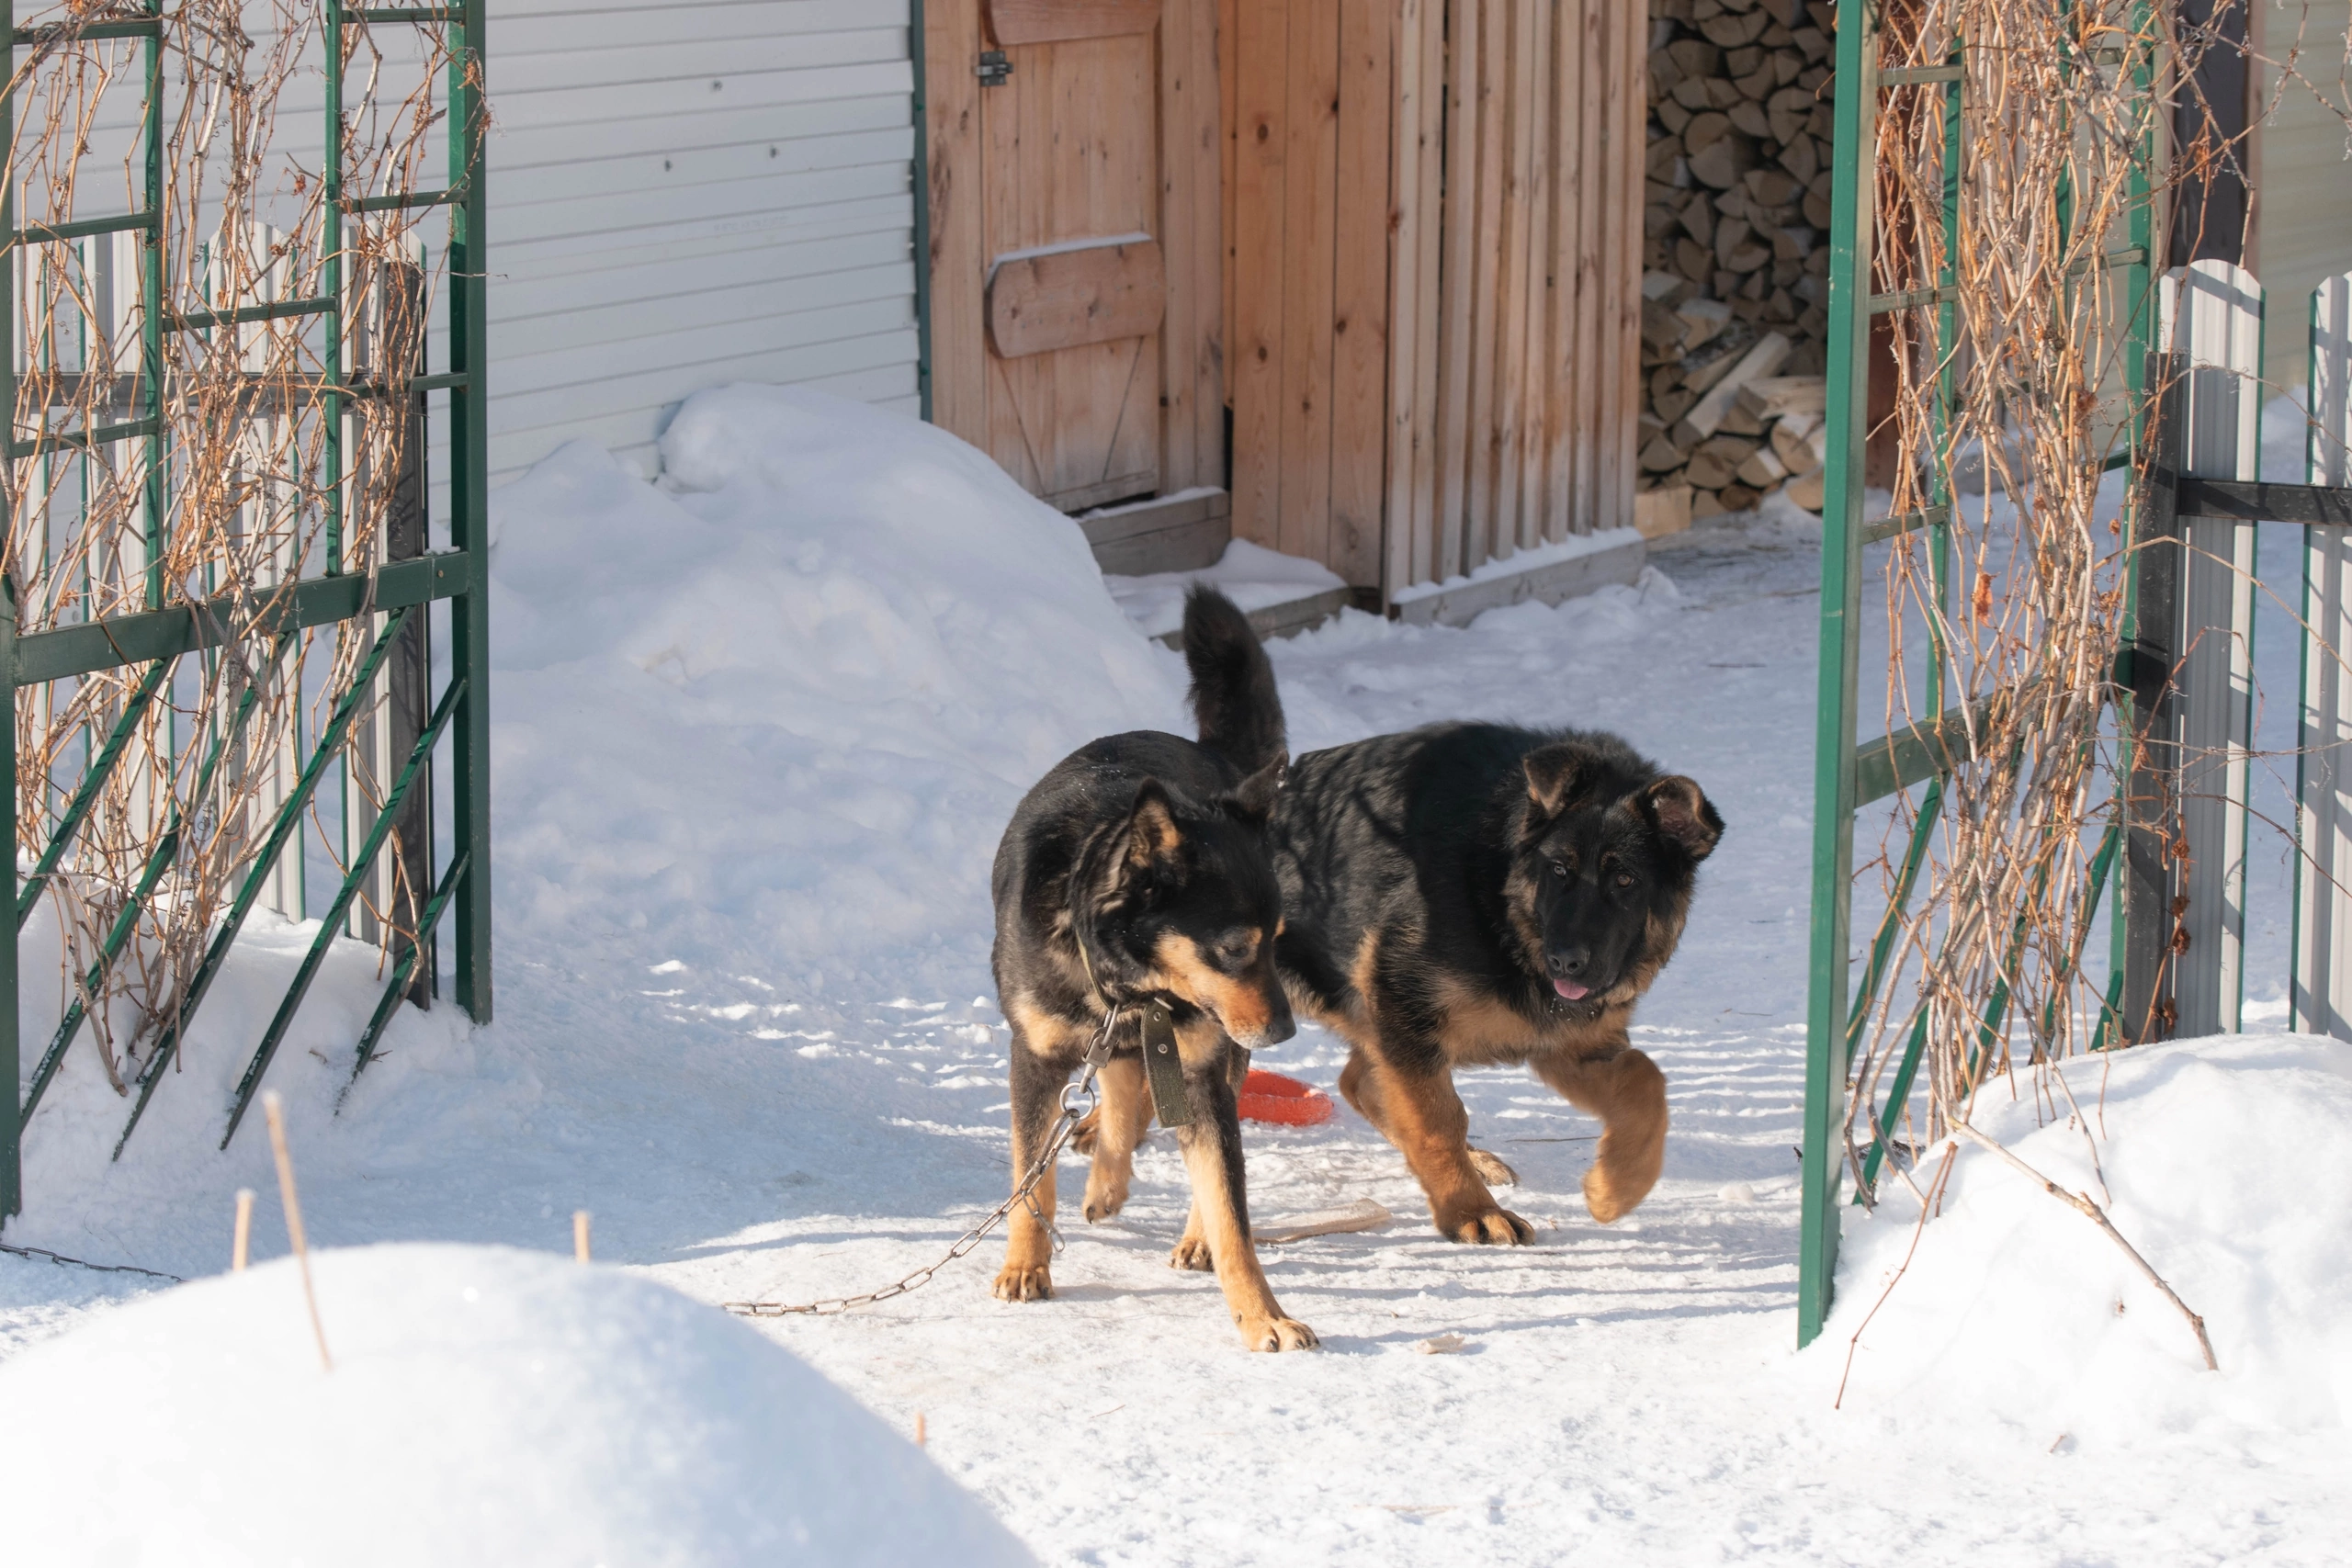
(994, 68)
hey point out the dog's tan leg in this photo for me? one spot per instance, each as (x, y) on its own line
(1027, 1274)
(1119, 1123)
(1212, 1144)
(1422, 1116)
(1627, 1092)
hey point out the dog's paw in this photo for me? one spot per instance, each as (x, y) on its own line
(1024, 1283)
(1609, 1202)
(1277, 1334)
(1082, 1136)
(1495, 1228)
(1104, 1199)
(1192, 1253)
(1492, 1171)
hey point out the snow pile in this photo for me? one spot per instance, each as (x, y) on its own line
(487, 1407)
(1250, 575)
(2228, 1164)
(787, 697)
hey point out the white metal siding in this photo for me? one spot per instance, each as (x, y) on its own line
(685, 195)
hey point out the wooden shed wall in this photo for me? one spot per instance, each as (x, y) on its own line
(1433, 276)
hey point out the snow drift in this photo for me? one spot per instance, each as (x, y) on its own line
(2229, 1166)
(789, 697)
(487, 1407)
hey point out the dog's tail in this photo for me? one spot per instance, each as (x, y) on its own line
(1233, 685)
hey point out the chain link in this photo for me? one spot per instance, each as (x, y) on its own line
(59, 1257)
(1077, 1099)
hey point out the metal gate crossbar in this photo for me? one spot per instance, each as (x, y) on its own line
(398, 590)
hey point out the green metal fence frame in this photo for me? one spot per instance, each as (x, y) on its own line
(158, 637)
(1850, 775)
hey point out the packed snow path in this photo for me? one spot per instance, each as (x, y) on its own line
(750, 1115)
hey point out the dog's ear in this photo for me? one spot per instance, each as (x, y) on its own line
(1553, 773)
(1152, 835)
(1252, 801)
(1677, 808)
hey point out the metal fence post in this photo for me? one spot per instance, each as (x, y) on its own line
(469, 508)
(1852, 204)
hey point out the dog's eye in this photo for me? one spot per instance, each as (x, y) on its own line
(1624, 879)
(1560, 868)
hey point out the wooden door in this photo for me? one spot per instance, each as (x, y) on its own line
(1074, 322)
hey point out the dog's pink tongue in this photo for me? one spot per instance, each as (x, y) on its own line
(1574, 993)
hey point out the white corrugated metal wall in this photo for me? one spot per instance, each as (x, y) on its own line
(688, 194)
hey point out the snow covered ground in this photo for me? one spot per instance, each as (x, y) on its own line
(758, 729)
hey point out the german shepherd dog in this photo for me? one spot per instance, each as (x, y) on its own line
(1474, 894)
(1139, 868)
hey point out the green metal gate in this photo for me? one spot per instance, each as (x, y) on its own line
(184, 634)
(1851, 775)
(2173, 680)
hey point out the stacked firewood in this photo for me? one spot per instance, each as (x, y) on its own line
(1736, 252)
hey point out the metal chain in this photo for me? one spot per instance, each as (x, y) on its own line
(1078, 1102)
(59, 1257)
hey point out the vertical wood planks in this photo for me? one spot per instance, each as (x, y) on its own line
(1192, 413)
(1360, 334)
(1434, 294)
(2321, 986)
(2212, 313)
(1310, 181)
(1261, 38)
(958, 269)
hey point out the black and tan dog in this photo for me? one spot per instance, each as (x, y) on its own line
(1138, 869)
(1474, 894)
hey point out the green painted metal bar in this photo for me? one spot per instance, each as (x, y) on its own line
(92, 32)
(1881, 303)
(1919, 75)
(1854, 120)
(1920, 751)
(1903, 522)
(330, 925)
(150, 312)
(331, 409)
(72, 440)
(441, 381)
(915, 48)
(402, 199)
(184, 628)
(380, 14)
(1883, 945)
(290, 817)
(12, 1185)
(390, 1001)
(81, 228)
(85, 794)
(2139, 342)
(280, 311)
(1898, 1095)
(159, 863)
(2102, 865)
(470, 503)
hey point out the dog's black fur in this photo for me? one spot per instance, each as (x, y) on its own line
(1478, 893)
(1138, 868)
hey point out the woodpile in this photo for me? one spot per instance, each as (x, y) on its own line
(1735, 253)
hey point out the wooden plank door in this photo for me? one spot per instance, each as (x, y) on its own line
(1073, 159)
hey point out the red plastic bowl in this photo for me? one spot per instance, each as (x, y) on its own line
(1270, 1097)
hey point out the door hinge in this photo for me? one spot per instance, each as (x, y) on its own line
(994, 68)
